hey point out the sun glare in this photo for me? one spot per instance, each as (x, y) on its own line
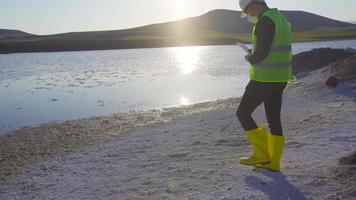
(187, 58)
(181, 7)
(183, 100)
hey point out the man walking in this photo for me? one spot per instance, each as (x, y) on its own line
(270, 71)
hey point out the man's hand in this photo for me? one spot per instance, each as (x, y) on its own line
(248, 57)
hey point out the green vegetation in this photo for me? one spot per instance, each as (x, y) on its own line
(323, 33)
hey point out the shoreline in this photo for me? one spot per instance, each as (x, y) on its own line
(20, 147)
(189, 144)
(129, 112)
(26, 144)
(174, 152)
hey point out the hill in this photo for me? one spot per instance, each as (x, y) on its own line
(213, 28)
(8, 35)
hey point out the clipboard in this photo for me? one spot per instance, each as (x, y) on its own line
(243, 47)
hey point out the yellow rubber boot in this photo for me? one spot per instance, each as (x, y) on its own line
(258, 139)
(275, 149)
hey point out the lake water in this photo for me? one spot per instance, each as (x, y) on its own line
(41, 87)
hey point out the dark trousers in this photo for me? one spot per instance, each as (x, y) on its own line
(271, 95)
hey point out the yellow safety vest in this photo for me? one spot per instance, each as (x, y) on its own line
(277, 67)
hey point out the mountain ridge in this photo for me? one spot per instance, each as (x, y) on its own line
(215, 27)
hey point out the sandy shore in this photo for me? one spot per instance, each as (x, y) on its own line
(189, 152)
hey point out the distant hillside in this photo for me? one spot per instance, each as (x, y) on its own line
(6, 34)
(213, 23)
(214, 27)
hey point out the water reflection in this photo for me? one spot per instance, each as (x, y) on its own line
(188, 58)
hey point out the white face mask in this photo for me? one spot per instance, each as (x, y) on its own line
(252, 19)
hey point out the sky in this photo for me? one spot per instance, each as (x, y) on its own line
(58, 16)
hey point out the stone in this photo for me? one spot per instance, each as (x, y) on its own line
(333, 81)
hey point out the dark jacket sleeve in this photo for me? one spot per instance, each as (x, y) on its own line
(265, 30)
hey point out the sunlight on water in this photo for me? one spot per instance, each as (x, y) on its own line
(37, 88)
(187, 58)
(183, 100)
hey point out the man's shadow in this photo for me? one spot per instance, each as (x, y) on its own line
(344, 90)
(278, 189)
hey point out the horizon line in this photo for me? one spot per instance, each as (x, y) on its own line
(351, 21)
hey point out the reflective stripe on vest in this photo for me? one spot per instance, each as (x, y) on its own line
(281, 48)
(274, 65)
